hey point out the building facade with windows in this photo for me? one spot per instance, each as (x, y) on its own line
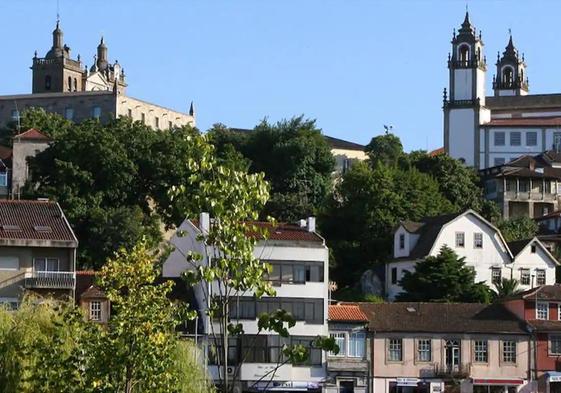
(527, 186)
(299, 259)
(438, 347)
(349, 369)
(37, 251)
(66, 86)
(475, 239)
(486, 131)
(541, 309)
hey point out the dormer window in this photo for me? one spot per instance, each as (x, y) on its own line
(542, 310)
(401, 241)
(464, 55)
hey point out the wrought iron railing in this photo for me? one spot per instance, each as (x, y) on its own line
(457, 371)
(50, 280)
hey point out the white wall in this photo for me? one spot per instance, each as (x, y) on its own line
(462, 134)
(410, 242)
(526, 259)
(463, 88)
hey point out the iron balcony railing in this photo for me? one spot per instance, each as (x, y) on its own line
(50, 280)
(457, 371)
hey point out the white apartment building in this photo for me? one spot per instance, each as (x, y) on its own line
(475, 239)
(299, 258)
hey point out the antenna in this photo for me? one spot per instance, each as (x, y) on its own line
(18, 116)
(57, 11)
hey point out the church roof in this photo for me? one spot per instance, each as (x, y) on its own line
(531, 101)
(554, 121)
(32, 134)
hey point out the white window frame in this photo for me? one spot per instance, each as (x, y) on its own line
(538, 304)
(394, 344)
(538, 272)
(46, 259)
(401, 241)
(10, 269)
(342, 348)
(424, 345)
(353, 351)
(495, 270)
(462, 236)
(511, 353)
(550, 338)
(4, 179)
(478, 243)
(95, 312)
(480, 351)
(528, 276)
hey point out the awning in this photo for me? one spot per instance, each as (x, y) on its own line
(553, 376)
(498, 381)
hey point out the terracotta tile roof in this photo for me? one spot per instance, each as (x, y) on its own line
(441, 318)
(543, 292)
(437, 152)
(346, 313)
(93, 292)
(545, 326)
(282, 231)
(554, 121)
(32, 133)
(84, 280)
(34, 220)
(5, 153)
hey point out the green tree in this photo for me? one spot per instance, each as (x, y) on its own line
(386, 149)
(293, 155)
(505, 288)
(518, 228)
(443, 278)
(233, 199)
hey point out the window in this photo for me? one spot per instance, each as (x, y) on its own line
(170, 125)
(48, 82)
(9, 263)
(341, 341)
(554, 345)
(11, 303)
(309, 310)
(424, 350)
(540, 277)
(357, 344)
(299, 274)
(525, 276)
(509, 351)
(496, 275)
(3, 179)
(129, 113)
(15, 115)
(287, 272)
(464, 55)
(524, 185)
(531, 138)
(478, 240)
(533, 248)
(69, 113)
(75, 84)
(401, 241)
(515, 138)
(143, 118)
(69, 83)
(499, 137)
(95, 310)
(556, 140)
(96, 112)
(480, 351)
(542, 310)
(157, 122)
(243, 308)
(498, 161)
(394, 350)
(507, 76)
(559, 312)
(46, 264)
(460, 239)
(394, 275)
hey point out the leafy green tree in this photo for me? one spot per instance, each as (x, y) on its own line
(233, 199)
(518, 228)
(443, 278)
(386, 149)
(293, 155)
(366, 206)
(506, 288)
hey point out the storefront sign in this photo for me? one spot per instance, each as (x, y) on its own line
(407, 381)
(294, 386)
(554, 378)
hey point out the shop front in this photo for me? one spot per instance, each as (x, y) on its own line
(414, 385)
(285, 386)
(497, 385)
(552, 382)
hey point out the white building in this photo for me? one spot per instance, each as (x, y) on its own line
(299, 258)
(486, 131)
(475, 239)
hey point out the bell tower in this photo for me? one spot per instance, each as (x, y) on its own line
(510, 79)
(464, 102)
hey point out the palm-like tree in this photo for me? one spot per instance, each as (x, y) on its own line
(506, 288)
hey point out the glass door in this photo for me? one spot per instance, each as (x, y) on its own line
(452, 355)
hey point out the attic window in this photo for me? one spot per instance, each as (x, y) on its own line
(411, 309)
(43, 228)
(11, 228)
(533, 248)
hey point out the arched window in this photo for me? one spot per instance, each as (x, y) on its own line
(507, 76)
(75, 84)
(48, 82)
(464, 55)
(69, 83)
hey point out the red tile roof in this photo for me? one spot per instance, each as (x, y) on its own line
(32, 133)
(346, 313)
(526, 121)
(437, 152)
(34, 220)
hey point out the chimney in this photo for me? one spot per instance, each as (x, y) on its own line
(311, 224)
(204, 222)
(302, 223)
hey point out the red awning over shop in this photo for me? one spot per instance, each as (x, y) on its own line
(497, 381)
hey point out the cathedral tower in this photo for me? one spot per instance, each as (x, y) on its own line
(464, 102)
(511, 79)
(57, 72)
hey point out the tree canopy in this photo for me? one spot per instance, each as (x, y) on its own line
(518, 228)
(293, 155)
(443, 278)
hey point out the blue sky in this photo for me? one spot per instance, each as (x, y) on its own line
(353, 65)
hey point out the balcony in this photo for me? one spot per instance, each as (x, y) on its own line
(446, 371)
(50, 280)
